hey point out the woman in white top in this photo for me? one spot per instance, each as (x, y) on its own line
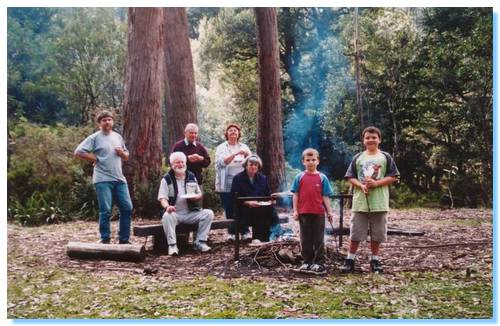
(229, 158)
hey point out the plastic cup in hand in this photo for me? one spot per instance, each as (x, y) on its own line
(191, 188)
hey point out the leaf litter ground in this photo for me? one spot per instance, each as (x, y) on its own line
(457, 241)
(454, 239)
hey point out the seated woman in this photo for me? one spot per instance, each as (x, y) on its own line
(251, 183)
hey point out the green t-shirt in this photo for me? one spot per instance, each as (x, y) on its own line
(375, 166)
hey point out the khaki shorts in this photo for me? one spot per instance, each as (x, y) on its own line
(376, 222)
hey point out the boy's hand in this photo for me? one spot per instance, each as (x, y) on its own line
(364, 189)
(370, 183)
(170, 209)
(295, 216)
(329, 216)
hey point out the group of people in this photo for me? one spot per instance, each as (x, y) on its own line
(238, 171)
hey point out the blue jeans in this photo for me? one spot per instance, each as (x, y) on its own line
(106, 193)
(227, 200)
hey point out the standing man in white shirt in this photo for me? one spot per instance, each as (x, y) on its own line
(106, 150)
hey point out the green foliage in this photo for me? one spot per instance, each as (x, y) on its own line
(229, 43)
(82, 195)
(45, 183)
(401, 196)
(455, 94)
(211, 199)
(90, 58)
(30, 88)
(63, 63)
(195, 16)
(36, 210)
(146, 203)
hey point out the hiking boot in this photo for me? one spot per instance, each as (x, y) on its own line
(230, 237)
(317, 269)
(246, 236)
(124, 242)
(348, 266)
(201, 246)
(304, 268)
(104, 241)
(173, 250)
(376, 266)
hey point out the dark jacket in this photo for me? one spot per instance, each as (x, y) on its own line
(190, 149)
(244, 188)
(260, 218)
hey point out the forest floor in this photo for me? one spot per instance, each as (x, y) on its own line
(446, 273)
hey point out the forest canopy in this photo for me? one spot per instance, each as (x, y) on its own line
(422, 75)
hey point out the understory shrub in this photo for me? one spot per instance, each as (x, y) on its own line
(45, 183)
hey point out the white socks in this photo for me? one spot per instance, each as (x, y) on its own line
(353, 257)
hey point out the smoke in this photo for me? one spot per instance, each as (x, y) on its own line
(320, 81)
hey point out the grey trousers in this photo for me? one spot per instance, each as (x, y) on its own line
(203, 218)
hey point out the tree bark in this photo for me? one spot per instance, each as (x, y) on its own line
(120, 252)
(180, 92)
(359, 100)
(142, 100)
(269, 129)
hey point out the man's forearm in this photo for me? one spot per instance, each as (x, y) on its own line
(90, 157)
(125, 156)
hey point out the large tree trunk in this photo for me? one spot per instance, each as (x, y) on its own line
(180, 93)
(269, 128)
(142, 100)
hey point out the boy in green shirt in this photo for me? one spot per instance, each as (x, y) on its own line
(370, 172)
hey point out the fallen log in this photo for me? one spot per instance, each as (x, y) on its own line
(119, 252)
(390, 231)
(456, 244)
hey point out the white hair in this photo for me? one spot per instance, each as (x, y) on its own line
(177, 155)
(254, 158)
(191, 126)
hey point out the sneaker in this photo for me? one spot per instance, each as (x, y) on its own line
(173, 250)
(230, 237)
(104, 241)
(376, 266)
(201, 246)
(304, 268)
(124, 242)
(348, 266)
(317, 269)
(246, 236)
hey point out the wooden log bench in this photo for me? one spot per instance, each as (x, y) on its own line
(182, 230)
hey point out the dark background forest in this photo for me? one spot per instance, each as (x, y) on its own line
(422, 75)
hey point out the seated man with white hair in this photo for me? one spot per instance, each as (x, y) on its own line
(180, 196)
